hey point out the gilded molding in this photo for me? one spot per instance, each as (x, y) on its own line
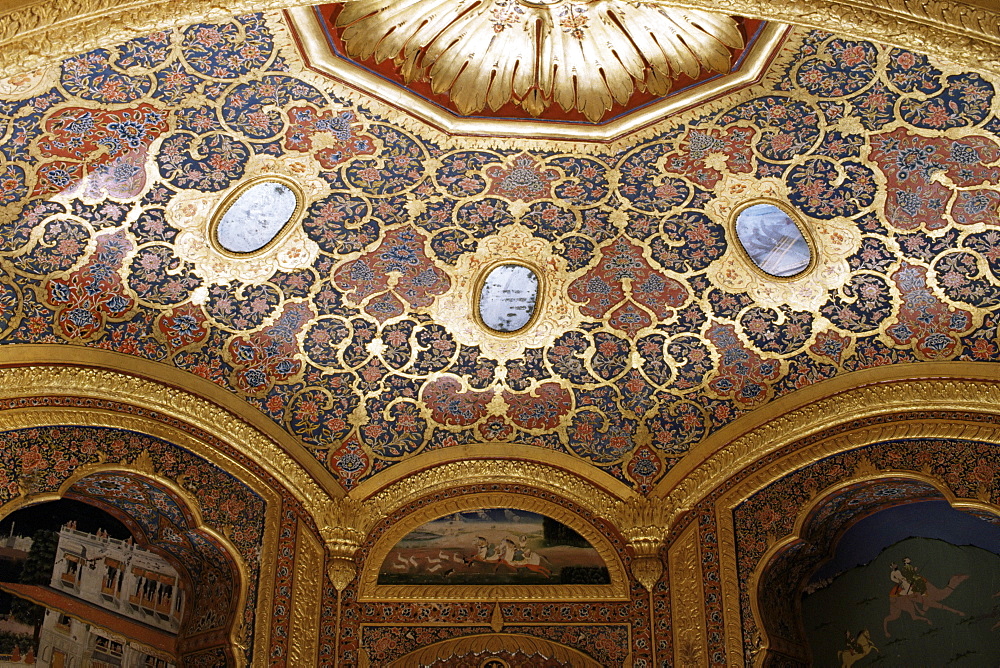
(307, 594)
(37, 33)
(114, 386)
(954, 30)
(475, 457)
(899, 396)
(494, 643)
(687, 600)
(370, 590)
(495, 471)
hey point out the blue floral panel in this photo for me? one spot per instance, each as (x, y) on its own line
(773, 240)
(256, 217)
(508, 297)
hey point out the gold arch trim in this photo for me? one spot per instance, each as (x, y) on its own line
(494, 471)
(29, 418)
(822, 498)
(370, 590)
(512, 643)
(37, 33)
(476, 463)
(33, 370)
(972, 387)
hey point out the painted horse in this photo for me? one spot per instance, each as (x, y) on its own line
(516, 558)
(849, 657)
(932, 599)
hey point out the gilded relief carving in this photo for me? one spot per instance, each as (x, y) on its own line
(687, 595)
(307, 593)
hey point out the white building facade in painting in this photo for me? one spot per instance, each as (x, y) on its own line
(131, 583)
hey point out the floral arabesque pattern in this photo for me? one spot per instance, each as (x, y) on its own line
(654, 354)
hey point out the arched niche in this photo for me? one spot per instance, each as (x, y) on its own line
(499, 513)
(866, 424)
(504, 649)
(42, 462)
(177, 588)
(866, 587)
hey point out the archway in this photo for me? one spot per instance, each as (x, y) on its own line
(836, 589)
(159, 587)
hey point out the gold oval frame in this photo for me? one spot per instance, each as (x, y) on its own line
(799, 224)
(235, 195)
(477, 292)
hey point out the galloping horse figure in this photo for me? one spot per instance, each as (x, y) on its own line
(932, 599)
(850, 657)
(510, 556)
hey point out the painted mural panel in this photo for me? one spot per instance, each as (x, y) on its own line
(915, 585)
(492, 546)
(76, 589)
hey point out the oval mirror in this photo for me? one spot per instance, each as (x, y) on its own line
(773, 240)
(256, 216)
(508, 297)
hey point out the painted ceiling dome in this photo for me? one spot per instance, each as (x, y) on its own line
(486, 331)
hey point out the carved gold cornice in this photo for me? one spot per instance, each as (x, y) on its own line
(967, 32)
(973, 387)
(370, 590)
(54, 370)
(36, 33)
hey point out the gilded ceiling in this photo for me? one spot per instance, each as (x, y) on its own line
(355, 329)
(584, 58)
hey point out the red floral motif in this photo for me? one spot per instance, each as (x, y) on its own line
(452, 406)
(624, 284)
(495, 428)
(925, 322)
(93, 293)
(735, 143)
(349, 462)
(108, 146)
(368, 280)
(183, 326)
(542, 408)
(743, 375)
(833, 346)
(331, 137)
(914, 166)
(524, 179)
(644, 468)
(270, 355)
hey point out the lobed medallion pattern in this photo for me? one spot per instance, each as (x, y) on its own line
(660, 333)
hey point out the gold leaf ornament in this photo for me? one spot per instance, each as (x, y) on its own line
(582, 56)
